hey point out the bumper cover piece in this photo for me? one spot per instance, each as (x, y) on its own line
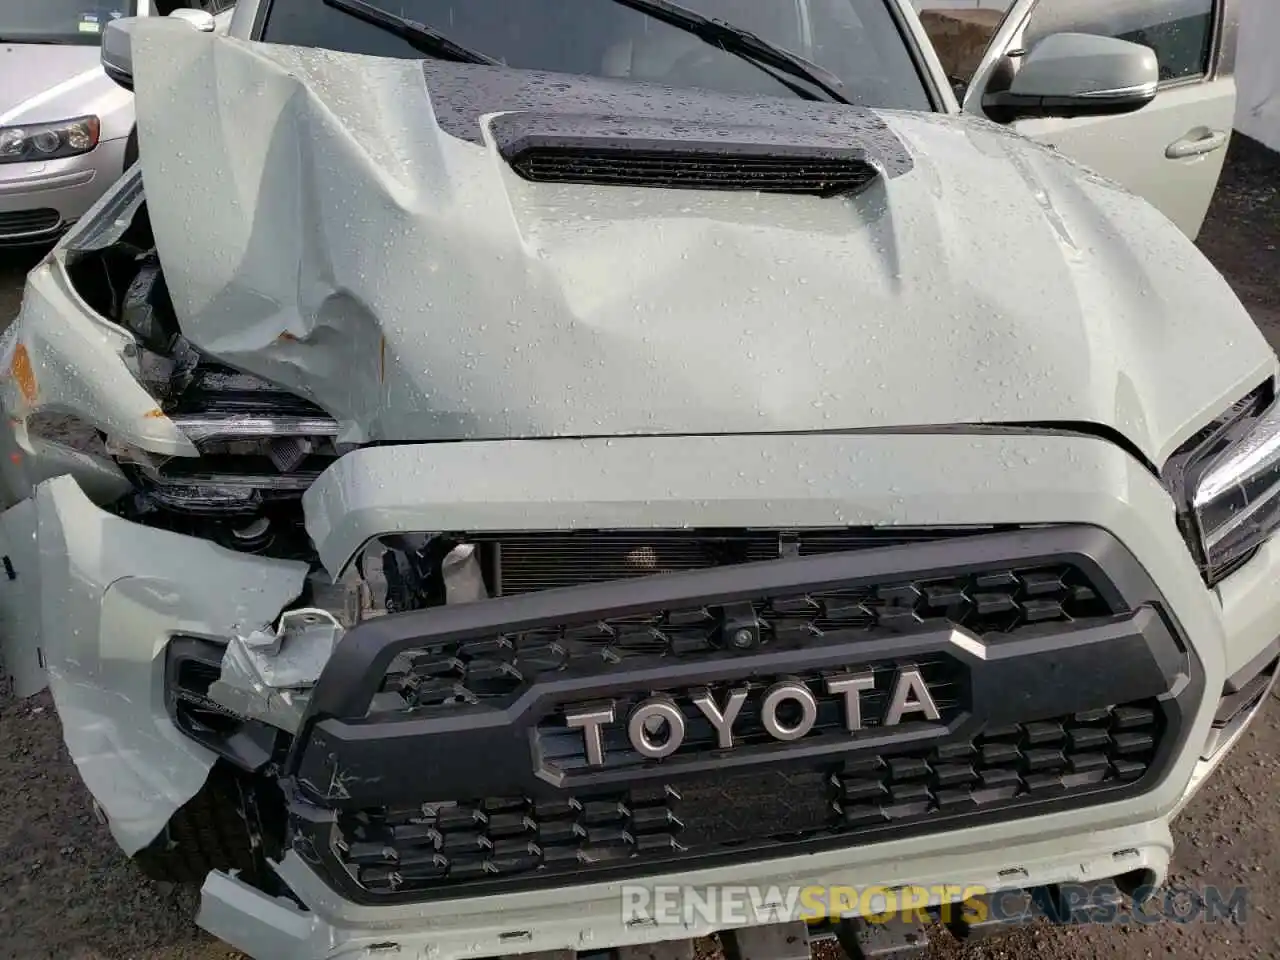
(111, 594)
(591, 915)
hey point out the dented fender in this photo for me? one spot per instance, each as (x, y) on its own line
(91, 603)
(61, 357)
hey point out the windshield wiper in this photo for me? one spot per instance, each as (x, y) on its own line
(747, 45)
(422, 38)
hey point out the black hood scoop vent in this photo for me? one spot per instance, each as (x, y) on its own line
(674, 155)
(680, 168)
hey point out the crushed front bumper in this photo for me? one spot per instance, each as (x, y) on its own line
(592, 918)
(93, 600)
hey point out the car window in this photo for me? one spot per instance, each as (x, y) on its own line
(858, 40)
(1179, 31)
(960, 31)
(59, 21)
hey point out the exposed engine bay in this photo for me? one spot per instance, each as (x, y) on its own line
(260, 446)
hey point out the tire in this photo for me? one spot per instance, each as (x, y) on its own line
(131, 149)
(208, 833)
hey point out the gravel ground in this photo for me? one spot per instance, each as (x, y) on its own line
(66, 894)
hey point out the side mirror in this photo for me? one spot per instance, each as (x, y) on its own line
(1078, 75)
(201, 20)
(117, 50)
(117, 42)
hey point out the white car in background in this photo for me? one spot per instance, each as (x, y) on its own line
(66, 130)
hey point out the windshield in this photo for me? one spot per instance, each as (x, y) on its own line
(60, 21)
(857, 40)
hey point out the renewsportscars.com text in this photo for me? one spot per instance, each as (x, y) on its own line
(734, 905)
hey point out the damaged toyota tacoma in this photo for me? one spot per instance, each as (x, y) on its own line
(509, 452)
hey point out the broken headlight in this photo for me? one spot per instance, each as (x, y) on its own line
(1227, 479)
(48, 141)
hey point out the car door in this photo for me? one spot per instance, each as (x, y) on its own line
(1171, 151)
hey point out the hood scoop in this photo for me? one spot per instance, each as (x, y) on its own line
(675, 155)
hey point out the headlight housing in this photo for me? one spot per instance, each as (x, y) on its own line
(33, 142)
(1226, 480)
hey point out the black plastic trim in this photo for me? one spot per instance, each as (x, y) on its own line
(1238, 707)
(522, 135)
(1238, 680)
(1019, 680)
(1236, 703)
(344, 759)
(1006, 107)
(354, 672)
(121, 78)
(250, 745)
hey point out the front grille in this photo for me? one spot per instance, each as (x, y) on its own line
(438, 847)
(998, 600)
(550, 738)
(806, 175)
(23, 223)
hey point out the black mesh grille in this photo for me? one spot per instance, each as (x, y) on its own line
(18, 223)
(438, 847)
(984, 602)
(813, 176)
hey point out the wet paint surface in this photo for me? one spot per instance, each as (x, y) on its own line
(425, 291)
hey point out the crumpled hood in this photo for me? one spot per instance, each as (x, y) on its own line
(39, 81)
(347, 227)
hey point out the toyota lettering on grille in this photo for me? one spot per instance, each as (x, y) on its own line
(656, 726)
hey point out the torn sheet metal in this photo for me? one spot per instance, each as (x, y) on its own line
(61, 357)
(265, 674)
(102, 481)
(112, 593)
(362, 241)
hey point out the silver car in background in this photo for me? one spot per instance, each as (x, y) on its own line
(66, 130)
